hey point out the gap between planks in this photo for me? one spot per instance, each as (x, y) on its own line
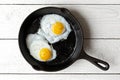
(60, 4)
(84, 38)
(50, 73)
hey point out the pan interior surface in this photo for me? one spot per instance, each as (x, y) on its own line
(64, 48)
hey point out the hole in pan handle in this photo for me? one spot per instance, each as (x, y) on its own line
(97, 62)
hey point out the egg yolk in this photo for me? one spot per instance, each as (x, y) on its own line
(57, 28)
(45, 54)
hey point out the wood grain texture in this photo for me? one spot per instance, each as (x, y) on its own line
(59, 2)
(11, 60)
(58, 77)
(101, 21)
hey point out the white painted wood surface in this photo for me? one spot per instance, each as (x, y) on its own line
(59, 77)
(101, 21)
(59, 2)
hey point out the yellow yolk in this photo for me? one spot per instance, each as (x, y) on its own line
(57, 28)
(45, 54)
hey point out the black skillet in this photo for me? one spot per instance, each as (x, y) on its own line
(68, 51)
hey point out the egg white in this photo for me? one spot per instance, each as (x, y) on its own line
(35, 43)
(46, 24)
(33, 37)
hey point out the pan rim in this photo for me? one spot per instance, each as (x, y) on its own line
(76, 33)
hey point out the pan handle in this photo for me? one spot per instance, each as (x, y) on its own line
(97, 62)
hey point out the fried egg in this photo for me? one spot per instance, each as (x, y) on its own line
(39, 48)
(54, 28)
(34, 37)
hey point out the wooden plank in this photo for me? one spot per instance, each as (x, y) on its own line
(98, 21)
(59, 2)
(11, 60)
(59, 77)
